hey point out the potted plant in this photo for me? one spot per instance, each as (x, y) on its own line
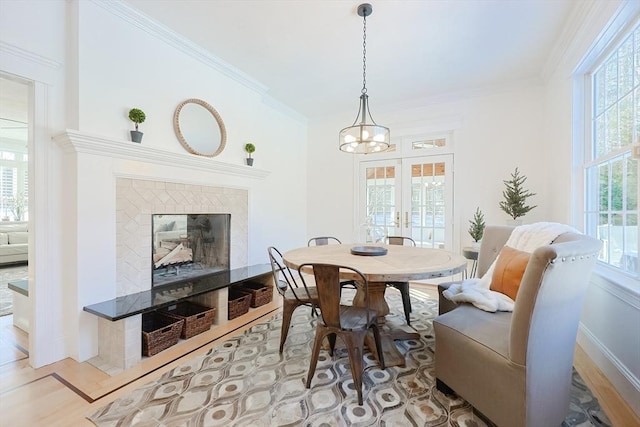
(249, 148)
(137, 116)
(476, 226)
(515, 196)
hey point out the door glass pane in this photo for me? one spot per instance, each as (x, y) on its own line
(428, 204)
(380, 203)
(428, 144)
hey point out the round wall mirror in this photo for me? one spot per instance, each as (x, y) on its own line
(199, 128)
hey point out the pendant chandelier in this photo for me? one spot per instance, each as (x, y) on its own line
(365, 136)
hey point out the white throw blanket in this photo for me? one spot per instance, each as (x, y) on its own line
(525, 238)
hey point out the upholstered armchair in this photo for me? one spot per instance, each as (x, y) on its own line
(515, 367)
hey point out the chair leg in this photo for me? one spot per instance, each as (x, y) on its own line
(288, 308)
(406, 300)
(332, 343)
(442, 387)
(376, 337)
(315, 352)
(355, 345)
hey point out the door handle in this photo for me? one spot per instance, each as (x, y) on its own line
(406, 220)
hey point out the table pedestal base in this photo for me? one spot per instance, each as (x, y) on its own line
(388, 332)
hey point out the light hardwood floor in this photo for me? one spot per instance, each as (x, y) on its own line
(63, 393)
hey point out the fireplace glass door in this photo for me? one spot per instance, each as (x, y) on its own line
(189, 245)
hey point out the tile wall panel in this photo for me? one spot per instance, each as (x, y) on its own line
(137, 200)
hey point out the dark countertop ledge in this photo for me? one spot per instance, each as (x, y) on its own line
(165, 295)
(19, 286)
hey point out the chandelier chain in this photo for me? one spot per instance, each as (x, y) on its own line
(364, 56)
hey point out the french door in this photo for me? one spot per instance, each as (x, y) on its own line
(410, 197)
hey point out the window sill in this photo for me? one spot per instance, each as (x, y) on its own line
(620, 285)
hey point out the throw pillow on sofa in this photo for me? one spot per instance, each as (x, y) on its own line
(508, 272)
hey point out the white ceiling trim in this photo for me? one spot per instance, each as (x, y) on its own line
(164, 33)
(25, 63)
(579, 14)
(188, 47)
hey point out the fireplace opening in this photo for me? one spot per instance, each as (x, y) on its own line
(188, 245)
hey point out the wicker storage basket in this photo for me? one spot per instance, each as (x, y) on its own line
(197, 318)
(159, 332)
(239, 302)
(260, 294)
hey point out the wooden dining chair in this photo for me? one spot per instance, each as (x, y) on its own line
(322, 241)
(293, 295)
(348, 322)
(403, 287)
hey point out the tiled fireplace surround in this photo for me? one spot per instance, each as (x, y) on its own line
(144, 181)
(136, 200)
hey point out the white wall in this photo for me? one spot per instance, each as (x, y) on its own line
(100, 59)
(123, 66)
(493, 133)
(611, 315)
(33, 47)
(530, 127)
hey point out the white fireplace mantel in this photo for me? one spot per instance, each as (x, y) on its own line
(81, 142)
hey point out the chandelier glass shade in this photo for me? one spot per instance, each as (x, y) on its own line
(364, 136)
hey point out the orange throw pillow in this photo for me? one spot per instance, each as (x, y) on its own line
(508, 271)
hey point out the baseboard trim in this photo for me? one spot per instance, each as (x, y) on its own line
(625, 383)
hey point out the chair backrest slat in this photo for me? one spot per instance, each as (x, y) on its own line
(323, 240)
(400, 240)
(283, 277)
(327, 277)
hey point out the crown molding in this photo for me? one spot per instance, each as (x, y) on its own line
(580, 13)
(72, 141)
(277, 105)
(9, 49)
(28, 64)
(138, 19)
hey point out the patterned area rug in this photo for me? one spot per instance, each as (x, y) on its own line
(246, 382)
(8, 274)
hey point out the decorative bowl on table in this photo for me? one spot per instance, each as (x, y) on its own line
(368, 250)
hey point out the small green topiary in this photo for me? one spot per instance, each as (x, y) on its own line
(137, 116)
(249, 148)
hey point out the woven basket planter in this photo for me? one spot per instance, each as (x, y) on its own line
(260, 293)
(239, 302)
(159, 332)
(197, 318)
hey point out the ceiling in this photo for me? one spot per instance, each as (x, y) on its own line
(309, 52)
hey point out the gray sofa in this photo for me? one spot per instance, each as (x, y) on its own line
(515, 367)
(14, 242)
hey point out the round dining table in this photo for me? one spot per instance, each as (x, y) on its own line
(398, 264)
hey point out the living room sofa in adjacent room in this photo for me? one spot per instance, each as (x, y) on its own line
(14, 242)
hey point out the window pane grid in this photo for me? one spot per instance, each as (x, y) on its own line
(616, 107)
(612, 211)
(611, 175)
(380, 190)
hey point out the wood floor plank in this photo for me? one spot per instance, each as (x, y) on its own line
(43, 402)
(610, 401)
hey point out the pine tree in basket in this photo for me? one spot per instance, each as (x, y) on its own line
(515, 196)
(476, 225)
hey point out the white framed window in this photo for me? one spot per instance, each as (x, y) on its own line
(612, 104)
